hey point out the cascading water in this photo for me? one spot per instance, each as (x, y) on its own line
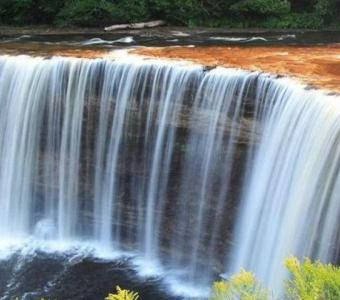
(161, 159)
(291, 204)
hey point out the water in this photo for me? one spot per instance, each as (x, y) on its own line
(170, 37)
(291, 204)
(190, 172)
(36, 270)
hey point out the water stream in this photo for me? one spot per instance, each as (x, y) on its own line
(191, 172)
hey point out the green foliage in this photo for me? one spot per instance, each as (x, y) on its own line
(308, 281)
(130, 11)
(86, 13)
(312, 281)
(326, 9)
(262, 7)
(302, 6)
(184, 12)
(123, 295)
(94, 13)
(294, 20)
(22, 12)
(242, 286)
(309, 14)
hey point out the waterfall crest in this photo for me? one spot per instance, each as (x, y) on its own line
(163, 160)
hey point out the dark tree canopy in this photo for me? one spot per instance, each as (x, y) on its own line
(226, 13)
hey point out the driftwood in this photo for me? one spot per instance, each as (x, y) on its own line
(136, 25)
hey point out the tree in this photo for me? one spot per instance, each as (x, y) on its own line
(261, 7)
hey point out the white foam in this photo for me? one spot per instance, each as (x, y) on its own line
(180, 33)
(99, 41)
(95, 41)
(238, 39)
(252, 39)
(287, 36)
(79, 250)
(125, 40)
(180, 288)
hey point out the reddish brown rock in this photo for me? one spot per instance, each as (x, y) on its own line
(318, 66)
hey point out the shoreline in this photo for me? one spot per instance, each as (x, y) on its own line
(314, 64)
(161, 31)
(316, 67)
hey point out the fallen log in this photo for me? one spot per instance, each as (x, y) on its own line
(150, 24)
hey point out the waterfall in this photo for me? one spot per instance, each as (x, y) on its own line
(291, 204)
(185, 167)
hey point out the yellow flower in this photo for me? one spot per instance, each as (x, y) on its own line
(123, 295)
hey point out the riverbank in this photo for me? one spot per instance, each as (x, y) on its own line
(159, 31)
(313, 57)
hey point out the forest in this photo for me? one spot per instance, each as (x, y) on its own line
(281, 14)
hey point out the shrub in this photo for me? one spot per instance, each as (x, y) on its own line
(45, 11)
(184, 12)
(294, 20)
(130, 11)
(308, 281)
(94, 13)
(261, 7)
(90, 13)
(6, 11)
(23, 12)
(326, 9)
(311, 14)
(302, 6)
(122, 295)
(312, 281)
(243, 286)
